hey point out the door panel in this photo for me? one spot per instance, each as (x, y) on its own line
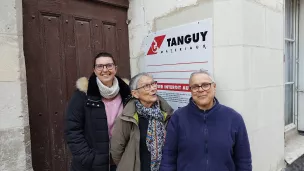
(55, 86)
(38, 116)
(110, 39)
(70, 54)
(61, 38)
(97, 38)
(83, 39)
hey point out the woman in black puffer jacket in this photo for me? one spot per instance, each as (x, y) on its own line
(91, 113)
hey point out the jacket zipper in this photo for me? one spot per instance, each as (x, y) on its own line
(100, 101)
(206, 140)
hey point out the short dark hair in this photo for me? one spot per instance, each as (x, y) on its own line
(103, 54)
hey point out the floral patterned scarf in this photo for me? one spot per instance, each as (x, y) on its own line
(156, 132)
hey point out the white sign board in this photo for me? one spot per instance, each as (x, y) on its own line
(171, 55)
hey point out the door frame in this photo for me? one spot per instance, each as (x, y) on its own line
(117, 3)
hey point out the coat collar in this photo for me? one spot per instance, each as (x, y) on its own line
(130, 109)
(90, 87)
(197, 109)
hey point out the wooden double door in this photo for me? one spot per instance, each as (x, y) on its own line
(61, 38)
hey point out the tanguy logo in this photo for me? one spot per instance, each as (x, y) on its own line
(174, 42)
(187, 39)
(157, 42)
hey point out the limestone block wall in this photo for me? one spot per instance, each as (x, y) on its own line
(15, 153)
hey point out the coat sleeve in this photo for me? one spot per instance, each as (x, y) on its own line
(120, 139)
(169, 158)
(242, 153)
(74, 131)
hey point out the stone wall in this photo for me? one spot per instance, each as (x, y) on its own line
(15, 152)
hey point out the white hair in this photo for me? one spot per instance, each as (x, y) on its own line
(202, 71)
(134, 80)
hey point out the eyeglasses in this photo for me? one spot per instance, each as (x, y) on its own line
(147, 87)
(100, 67)
(204, 86)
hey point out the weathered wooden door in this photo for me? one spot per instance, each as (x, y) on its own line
(61, 38)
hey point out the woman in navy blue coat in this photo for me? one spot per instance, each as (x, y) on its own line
(205, 135)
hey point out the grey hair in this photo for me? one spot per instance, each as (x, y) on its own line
(202, 71)
(134, 80)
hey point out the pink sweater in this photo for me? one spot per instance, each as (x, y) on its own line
(113, 109)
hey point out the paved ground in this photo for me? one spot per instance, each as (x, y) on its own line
(297, 165)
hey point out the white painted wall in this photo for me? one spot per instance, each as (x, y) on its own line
(14, 125)
(248, 61)
(143, 14)
(301, 69)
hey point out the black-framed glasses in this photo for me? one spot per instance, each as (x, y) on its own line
(204, 86)
(147, 87)
(100, 67)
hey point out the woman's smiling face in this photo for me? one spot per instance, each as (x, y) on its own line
(105, 70)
